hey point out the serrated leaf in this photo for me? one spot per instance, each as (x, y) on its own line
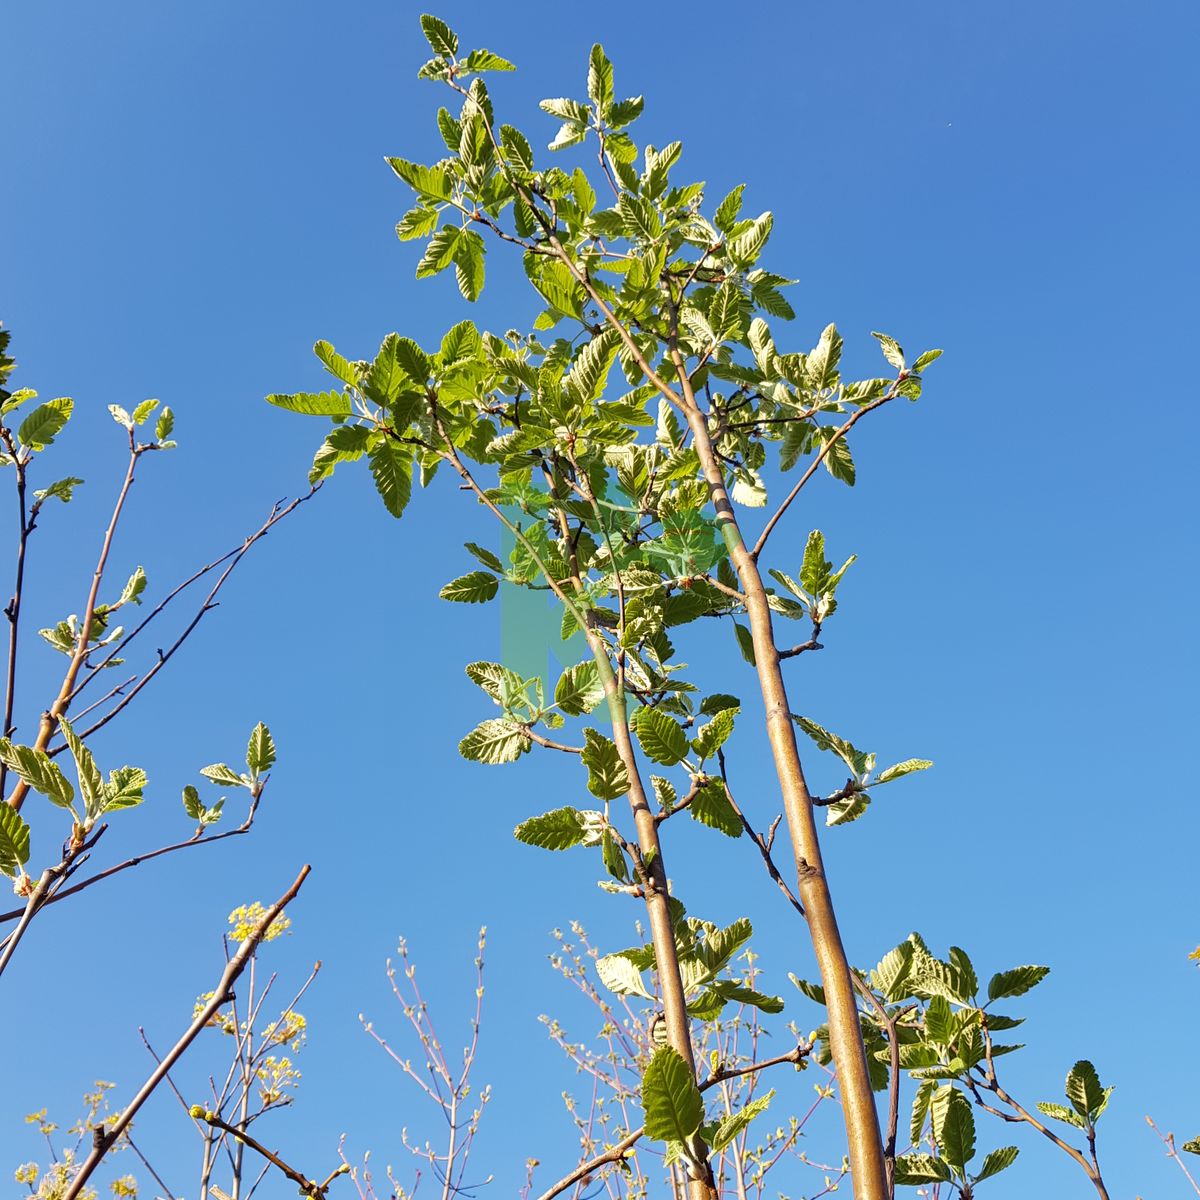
(620, 975)
(335, 364)
(661, 737)
(91, 785)
(124, 789)
(559, 829)
(1083, 1089)
(745, 641)
(711, 807)
(579, 689)
(713, 735)
(432, 182)
(476, 587)
(953, 1127)
(469, 264)
(131, 593)
(391, 468)
(494, 741)
(60, 489)
(45, 423)
(1016, 982)
(14, 841)
(920, 1168)
(39, 771)
(670, 1098)
(607, 777)
(143, 410)
(260, 752)
(441, 38)
(747, 246)
(192, 804)
(1060, 1112)
(907, 767)
(997, 1161)
(891, 350)
(314, 404)
(732, 1125)
(600, 79)
(165, 425)
(222, 775)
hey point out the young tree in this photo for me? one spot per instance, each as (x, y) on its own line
(72, 829)
(625, 506)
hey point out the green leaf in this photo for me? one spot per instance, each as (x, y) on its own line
(14, 841)
(192, 804)
(854, 758)
(165, 425)
(40, 428)
(838, 460)
(747, 246)
(222, 775)
(428, 181)
(907, 767)
(121, 417)
(1192, 1146)
(124, 789)
(738, 994)
(1016, 982)
(732, 1125)
(954, 1127)
(335, 364)
(60, 489)
(131, 593)
(39, 771)
(1060, 1112)
(91, 785)
(485, 556)
(997, 1161)
(620, 974)
(462, 342)
(914, 1169)
(728, 209)
(143, 411)
(891, 350)
(600, 80)
(260, 753)
(662, 738)
(920, 1110)
(440, 251)
(1087, 1096)
(476, 587)
(579, 689)
(607, 777)
(925, 359)
(469, 265)
(494, 741)
(484, 60)
(711, 807)
(670, 1098)
(419, 222)
(391, 468)
(318, 404)
(822, 363)
(559, 829)
(442, 40)
(712, 736)
(613, 857)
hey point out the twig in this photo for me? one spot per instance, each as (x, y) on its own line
(616, 1153)
(104, 1140)
(1168, 1140)
(308, 1187)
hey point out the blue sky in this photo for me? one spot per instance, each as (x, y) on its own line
(194, 194)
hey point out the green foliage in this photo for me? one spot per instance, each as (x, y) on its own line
(670, 1098)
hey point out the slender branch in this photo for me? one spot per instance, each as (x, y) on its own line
(1168, 1140)
(308, 1187)
(540, 740)
(617, 1152)
(819, 458)
(209, 603)
(49, 722)
(104, 1140)
(13, 611)
(136, 861)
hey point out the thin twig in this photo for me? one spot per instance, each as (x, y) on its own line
(104, 1140)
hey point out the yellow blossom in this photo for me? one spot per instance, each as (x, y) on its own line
(246, 918)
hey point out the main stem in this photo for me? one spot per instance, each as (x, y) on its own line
(867, 1169)
(655, 888)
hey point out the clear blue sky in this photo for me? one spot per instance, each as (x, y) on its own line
(195, 193)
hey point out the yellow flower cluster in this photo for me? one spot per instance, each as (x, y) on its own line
(246, 918)
(125, 1186)
(26, 1173)
(275, 1077)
